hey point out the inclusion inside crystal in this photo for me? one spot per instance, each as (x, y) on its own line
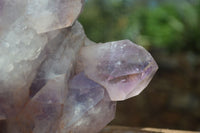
(53, 78)
(122, 67)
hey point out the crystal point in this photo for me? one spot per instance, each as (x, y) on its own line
(122, 67)
(47, 15)
(42, 112)
(44, 87)
(87, 102)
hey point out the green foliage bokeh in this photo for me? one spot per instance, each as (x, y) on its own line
(174, 26)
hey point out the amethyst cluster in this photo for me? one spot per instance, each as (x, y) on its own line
(53, 78)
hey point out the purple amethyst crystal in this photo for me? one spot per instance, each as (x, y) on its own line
(87, 102)
(44, 87)
(122, 67)
(42, 112)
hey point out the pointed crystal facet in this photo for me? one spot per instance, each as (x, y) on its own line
(122, 67)
(47, 15)
(34, 59)
(39, 46)
(86, 103)
(42, 112)
(21, 51)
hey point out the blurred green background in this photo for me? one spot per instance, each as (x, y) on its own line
(170, 30)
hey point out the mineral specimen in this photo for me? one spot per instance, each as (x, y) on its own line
(47, 15)
(53, 78)
(20, 56)
(42, 112)
(88, 109)
(122, 67)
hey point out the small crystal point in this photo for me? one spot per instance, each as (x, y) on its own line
(48, 15)
(88, 108)
(42, 112)
(122, 67)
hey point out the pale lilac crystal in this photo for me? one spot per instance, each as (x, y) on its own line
(40, 15)
(39, 46)
(62, 53)
(20, 56)
(122, 67)
(96, 118)
(50, 87)
(41, 114)
(47, 15)
(10, 11)
(86, 103)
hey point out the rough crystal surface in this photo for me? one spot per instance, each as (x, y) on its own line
(44, 87)
(48, 91)
(47, 15)
(42, 112)
(20, 56)
(7, 16)
(122, 67)
(23, 51)
(87, 102)
(42, 16)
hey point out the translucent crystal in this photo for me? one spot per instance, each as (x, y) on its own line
(42, 16)
(48, 92)
(122, 67)
(47, 15)
(21, 59)
(20, 56)
(86, 103)
(43, 88)
(10, 11)
(42, 113)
